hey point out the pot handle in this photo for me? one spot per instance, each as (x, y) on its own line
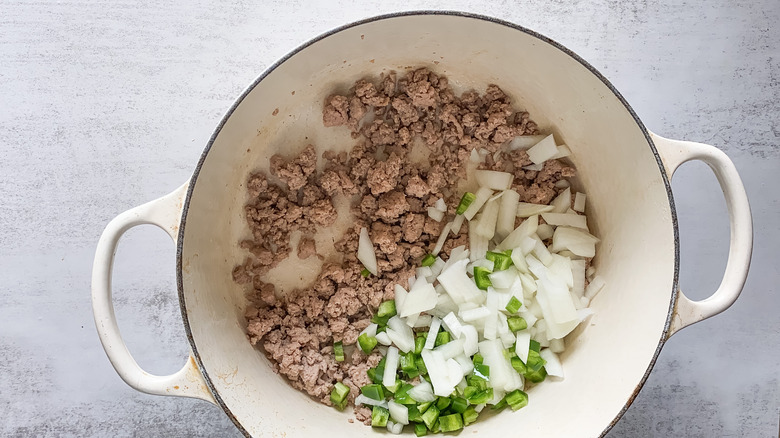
(165, 213)
(673, 154)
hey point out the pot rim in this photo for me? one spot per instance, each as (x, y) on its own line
(269, 70)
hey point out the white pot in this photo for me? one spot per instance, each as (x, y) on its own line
(624, 169)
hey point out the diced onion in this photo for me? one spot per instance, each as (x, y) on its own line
(441, 205)
(579, 202)
(526, 228)
(366, 253)
(562, 202)
(553, 365)
(456, 224)
(383, 338)
(435, 214)
(493, 179)
(422, 392)
(524, 142)
(543, 151)
(442, 237)
(507, 213)
(563, 151)
(480, 197)
(363, 400)
(370, 330)
(524, 209)
(430, 340)
(487, 223)
(392, 359)
(594, 287)
(569, 220)
(398, 412)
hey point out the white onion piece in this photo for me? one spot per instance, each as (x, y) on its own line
(466, 365)
(474, 314)
(496, 196)
(363, 400)
(577, 300)
(370, 330)
(562, 184)
(450, 349)
(430, 340)
(570, 220)
(477, 242)
(366, 253)
(486, 226)
(529, 285)
(561, 306)
(444, 304)
(442, 237)
(441, 205)
(493, 180)
(394, 428)
(454, 374)
(422, 321)
(458, 285)
(527, 245)
(542, 253)
(474, 156)
(491, 321)
(456, 224)
(423, 272)
(437, 266)
(480, 197)
(523, 142)
(470, 339)
(422, 392)
(400, 294)
(503, 279)
(438, 372)
(383, 338)
(392, 359)
(575, 240)
(557, 345)
(578, 277)
(594, 287)
(563, 151)
(480, 407)
(561, 269)
(518, 259)
(435, 214)
(421, 298)
(590, 272)
(534, 167)
(523, 344)
(544, 231)
(543, 151)
(400, 333)
(553, 365)
(579, 202)
(398, 412)
(507, 213)
(525, 209)
(525, 229)
(555, 330)
(562, 202)
(452, 325)
(457, 254)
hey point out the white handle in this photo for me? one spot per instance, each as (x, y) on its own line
(673, 154)
(165, 213)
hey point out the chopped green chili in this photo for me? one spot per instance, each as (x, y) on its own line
(470, 415)
(459, 404)
(373, 391)
(430, 416)
(428, 260)
(420, 429)
(339, 395)
(516, 323)
(386, 309)
(500, 260)
(367, 343)
(338, 351)
(451, 423)
(442, 338)
(514, 305)
(516, 399)
(481, 277)
(379, 416)
(465, 201)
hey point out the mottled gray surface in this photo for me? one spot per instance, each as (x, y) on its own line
(106, 105)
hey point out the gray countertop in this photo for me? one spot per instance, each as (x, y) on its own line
(106, 105)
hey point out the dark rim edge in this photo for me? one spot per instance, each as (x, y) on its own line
(269, 70)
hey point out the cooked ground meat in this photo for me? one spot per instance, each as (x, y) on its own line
(389, 195)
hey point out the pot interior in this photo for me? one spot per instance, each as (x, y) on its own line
(628, 208)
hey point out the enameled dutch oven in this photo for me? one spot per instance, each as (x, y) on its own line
(624, 168)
